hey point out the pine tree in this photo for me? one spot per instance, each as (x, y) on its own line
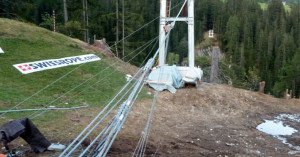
(232, 37)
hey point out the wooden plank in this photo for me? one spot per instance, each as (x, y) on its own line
(156, 82)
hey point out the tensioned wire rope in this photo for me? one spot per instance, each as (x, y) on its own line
(53, 83)
(106, 129)
(102, 152)
(115, 89)
(48, 86)
(142, 143)
(43, 110)
(113, 129)
(107, 76)
(105, 107)
(89, 126)
(141, 146)
(83, 83)
(63, 133)
(33, 117)
(145, 45)
(99, 115)
(57, 80)
(139, 68)
(78, 84)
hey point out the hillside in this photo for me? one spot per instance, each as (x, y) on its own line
(70, 86)
(259, 44)
(213, 120)
(264, 6)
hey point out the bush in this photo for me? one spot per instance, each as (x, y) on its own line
(203, 62)
(47, 21)
(73, 28)
(173, 59)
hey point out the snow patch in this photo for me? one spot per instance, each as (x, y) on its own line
(279, 130)
(275, 128)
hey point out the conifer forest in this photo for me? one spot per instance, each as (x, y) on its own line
(260, 39)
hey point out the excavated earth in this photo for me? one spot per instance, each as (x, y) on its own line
(213, 120)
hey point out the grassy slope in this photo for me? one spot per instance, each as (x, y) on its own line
(264, 6)
(24, 43)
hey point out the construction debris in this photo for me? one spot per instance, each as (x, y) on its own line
(1, 51)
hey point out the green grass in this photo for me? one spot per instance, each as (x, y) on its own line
(263, 6)
(25, 43)
(205, 43)
(287, 8)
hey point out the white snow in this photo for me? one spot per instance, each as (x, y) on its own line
(279, 130)
(275, 128)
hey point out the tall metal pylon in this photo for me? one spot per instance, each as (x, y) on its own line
(191, 29)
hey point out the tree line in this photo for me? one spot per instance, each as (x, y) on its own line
(259, 45)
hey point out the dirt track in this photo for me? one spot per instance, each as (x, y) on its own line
(214, 120)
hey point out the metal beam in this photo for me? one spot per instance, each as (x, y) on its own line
(191, 30)
(184, 19)
(162, 33)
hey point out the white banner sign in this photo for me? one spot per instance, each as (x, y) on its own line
(1, 51)
(31, 67)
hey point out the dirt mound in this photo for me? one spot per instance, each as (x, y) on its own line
(214, 120)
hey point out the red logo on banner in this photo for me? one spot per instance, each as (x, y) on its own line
(25, 67)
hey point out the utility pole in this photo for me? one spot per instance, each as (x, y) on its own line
(65, 11)
(117, 27)
(83, 16)
(123, 29)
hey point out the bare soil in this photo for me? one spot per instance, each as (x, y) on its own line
(211, 121)
(214, 120)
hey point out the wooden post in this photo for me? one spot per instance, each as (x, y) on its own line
(117, 54)
(54, 21)
(262, 86)
(285, 93)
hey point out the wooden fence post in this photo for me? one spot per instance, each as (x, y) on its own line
(262, 86)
